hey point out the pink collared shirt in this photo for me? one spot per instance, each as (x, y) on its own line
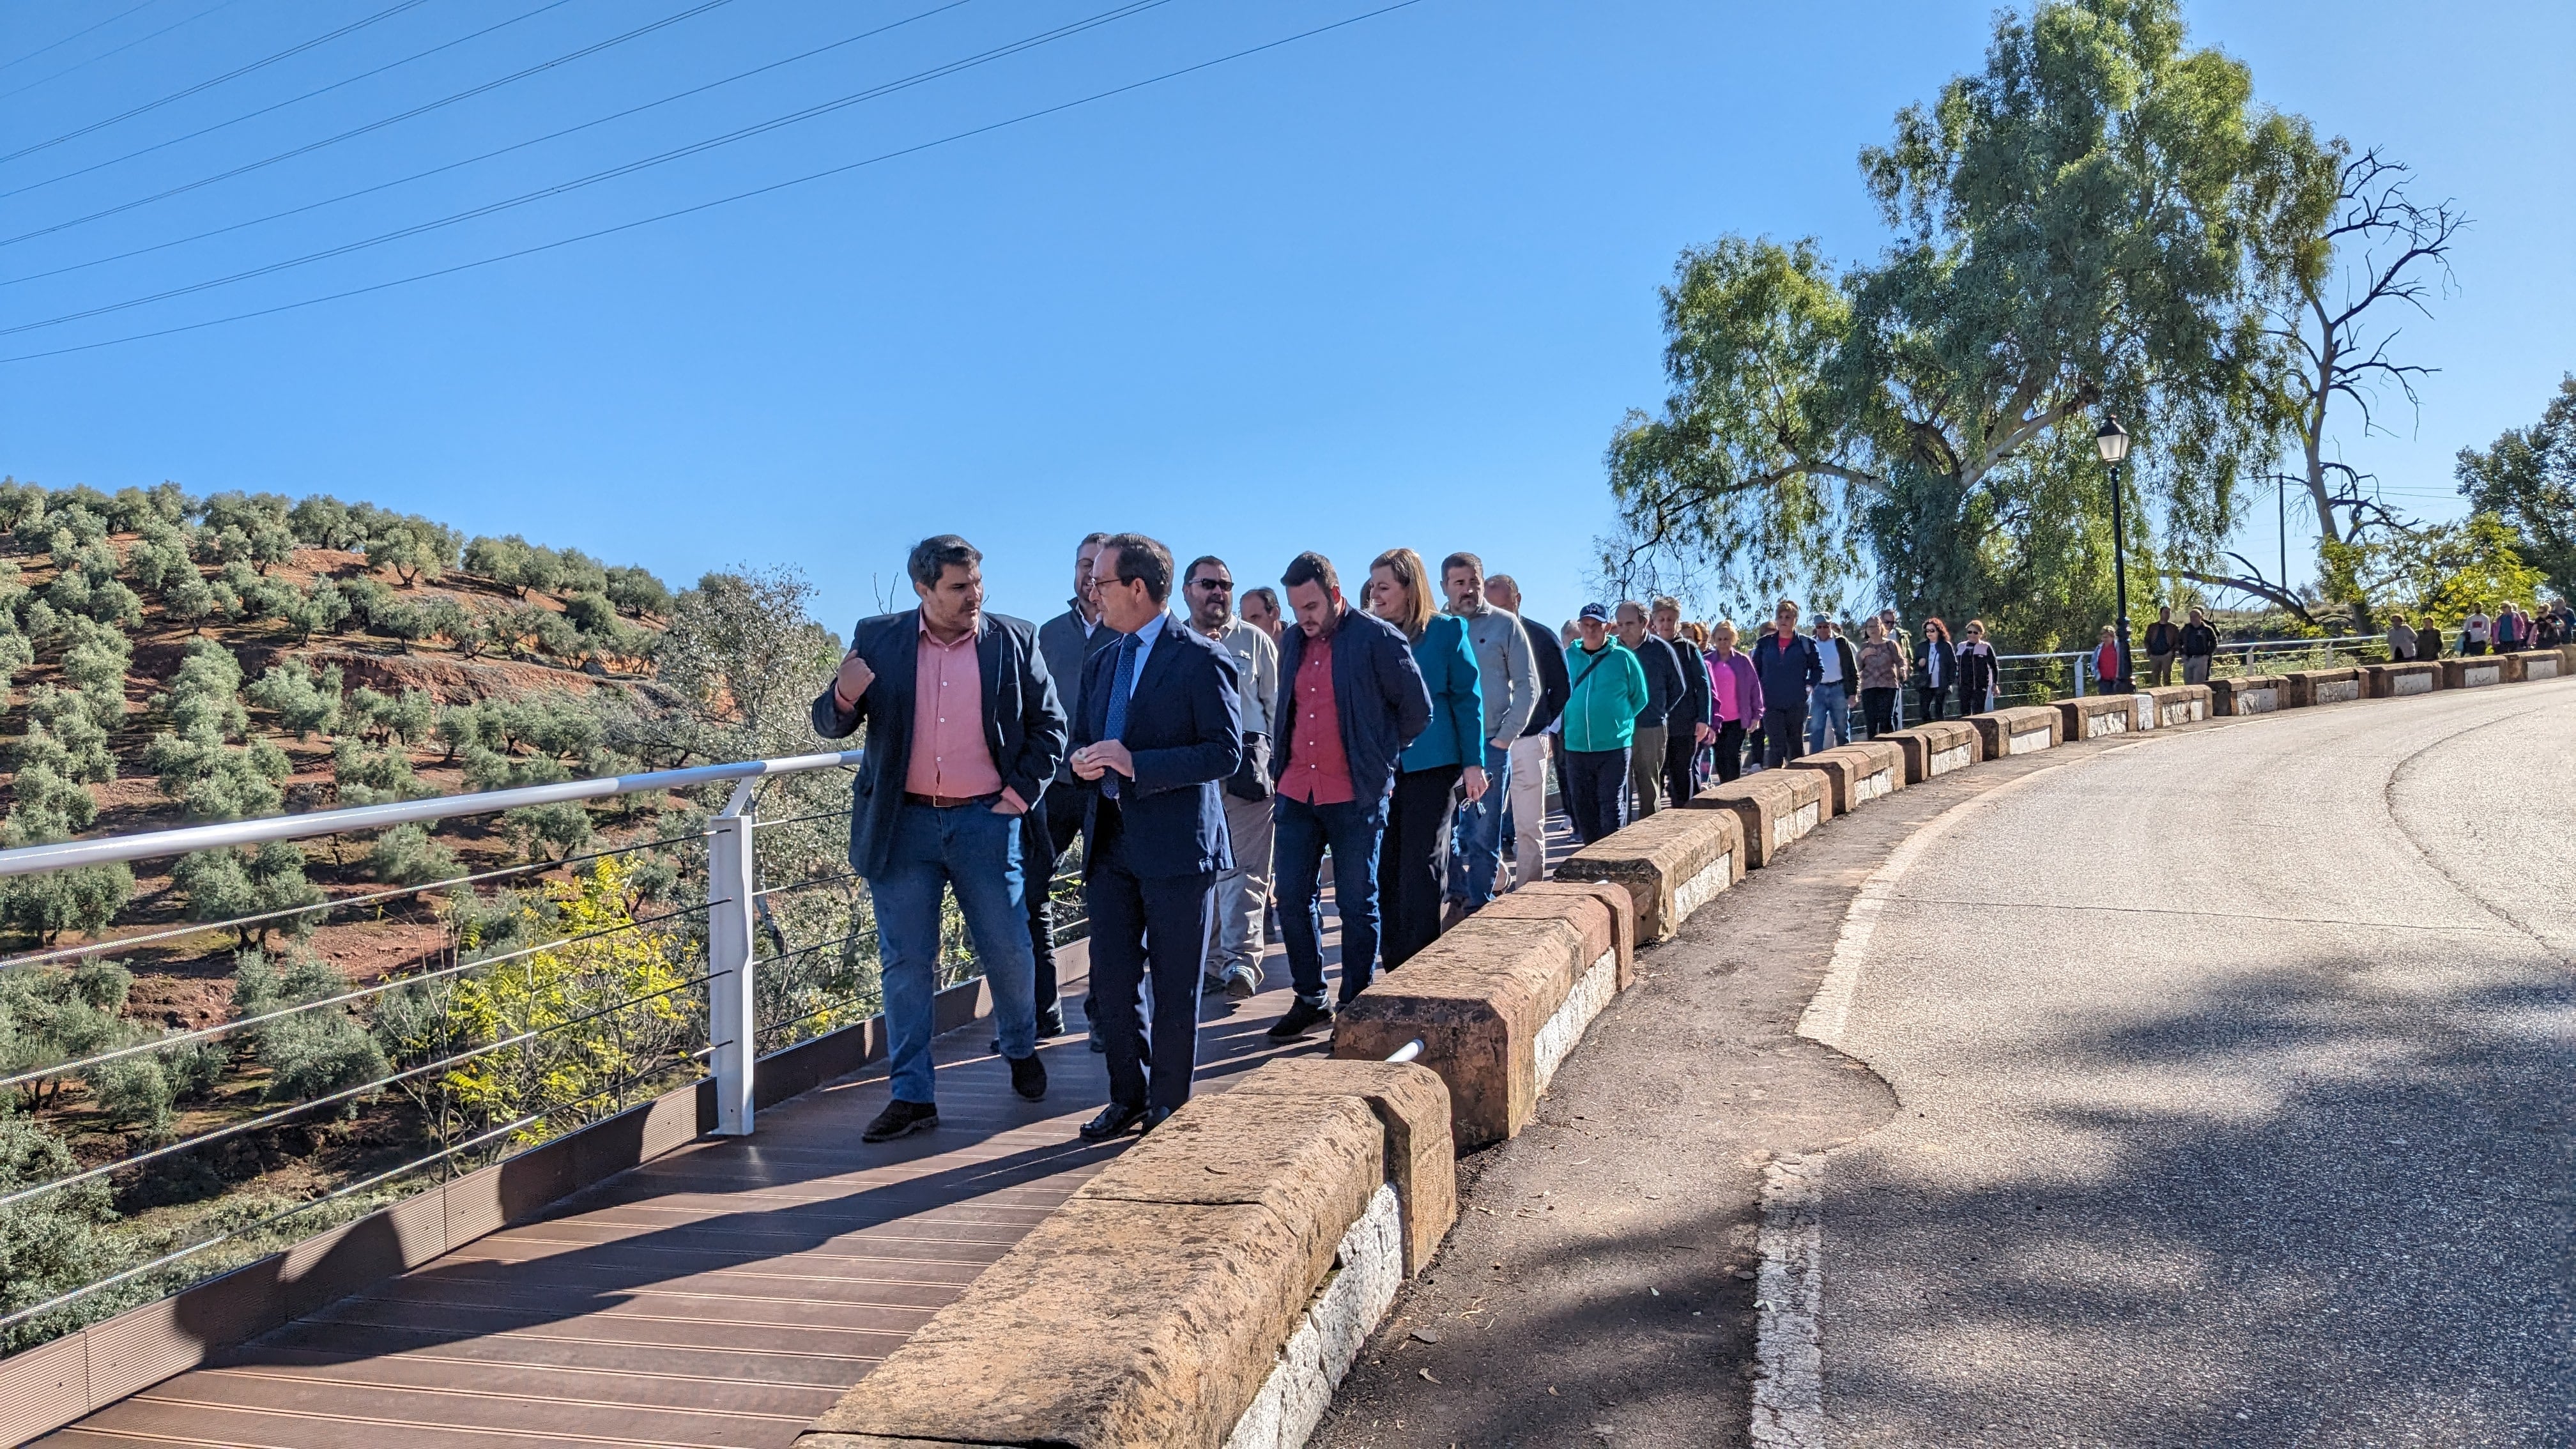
(949, 755)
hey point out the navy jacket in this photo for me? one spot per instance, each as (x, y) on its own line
(1181, 728)
(1377, 691)
(1552, 681)
(1023, 725)
(1664, 682)
(1786, 673)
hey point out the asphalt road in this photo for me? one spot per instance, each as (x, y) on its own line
(2233, 1071)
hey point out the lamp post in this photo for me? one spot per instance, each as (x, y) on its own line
(2113, 443)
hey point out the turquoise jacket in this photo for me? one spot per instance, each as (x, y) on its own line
(1448, 663)
(1608, 690)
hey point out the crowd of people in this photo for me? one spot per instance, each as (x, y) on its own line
(1212, 758)
(2509, 630)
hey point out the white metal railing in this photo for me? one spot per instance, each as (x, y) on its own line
(2017, 673)
(732, 902)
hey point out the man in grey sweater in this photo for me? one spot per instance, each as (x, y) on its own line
(1507, 677)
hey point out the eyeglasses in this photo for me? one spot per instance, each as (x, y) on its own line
(1214, 586)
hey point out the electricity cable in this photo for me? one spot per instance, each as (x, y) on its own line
(388, 13)
(291, 100)
(759, 191)
(759, 128)
(376, 125)
(77, 34)
(484, 156)
(118, 50)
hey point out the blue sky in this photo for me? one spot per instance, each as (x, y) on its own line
(1390, 284)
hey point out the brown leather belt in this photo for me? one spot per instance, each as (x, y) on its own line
(950, 802)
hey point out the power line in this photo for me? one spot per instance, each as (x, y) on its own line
(487, 155)
(1020, 119)
(389, 12)
(77, 34)
(808, 113)
(291, 100)
(377, 125)
(119, 50)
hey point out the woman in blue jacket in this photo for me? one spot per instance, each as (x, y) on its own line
(1449, 753)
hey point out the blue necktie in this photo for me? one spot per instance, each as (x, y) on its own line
(1118, 691)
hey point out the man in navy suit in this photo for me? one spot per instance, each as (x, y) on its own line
(963, 734)
(1158, 731)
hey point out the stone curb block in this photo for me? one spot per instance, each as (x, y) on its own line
(1772, 808)
(2018, 731)
(2248, 694)
(2180, 704)
(1412, 1104)
(2094, 716)
(2540, 664)
(1537, 901)
(1672, 863)
(2396, 681)
(1936, 747)
(2312, 687)
(1153, 1306)
(1480, 999)
(1856, 773)
(2475, 672)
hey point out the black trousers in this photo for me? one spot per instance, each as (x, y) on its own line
(1412, 862)
(1730, 750)
(1596, 784)
(1141, 927)
(1681, 777)
(1047, 831)
(1784, 734)
(1933, 699)
(1878, 710)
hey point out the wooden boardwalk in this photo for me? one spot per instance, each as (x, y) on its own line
(718, 1297)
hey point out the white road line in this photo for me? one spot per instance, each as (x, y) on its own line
(1789, 1292)
(1788, 1386)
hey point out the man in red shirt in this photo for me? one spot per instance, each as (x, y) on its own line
(1350, 699)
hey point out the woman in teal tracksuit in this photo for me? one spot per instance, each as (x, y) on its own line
(1449, 753)
(1607, 687)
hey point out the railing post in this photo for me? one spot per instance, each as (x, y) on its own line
(730, 1022)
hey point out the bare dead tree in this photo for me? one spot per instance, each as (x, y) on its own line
(2382, 252)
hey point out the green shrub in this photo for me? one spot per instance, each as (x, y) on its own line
(406, 856)
(52, 1243)
(565, 827)
(311, 1053)
(369, 775)
(303, 702)
(224, 885)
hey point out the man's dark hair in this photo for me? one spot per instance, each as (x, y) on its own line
(1461, 561)
(1264, 594)
(932, 556)
(1310, 567)
(1142, 559)
(1190, 574)
(1088, 539)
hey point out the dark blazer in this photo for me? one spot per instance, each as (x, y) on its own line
(1553, 685)
(1066, 646)
(1693, 707)
(1664, 682)
(1023, 725)
(1181, 728)
(1786, 672)
(1377, 691)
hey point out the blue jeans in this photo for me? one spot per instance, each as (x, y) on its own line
(1476, 836)
(976, 853)
(1828, 708)
(1301, 831)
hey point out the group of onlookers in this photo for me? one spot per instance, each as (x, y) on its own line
(2510, 630)
(1212, 759)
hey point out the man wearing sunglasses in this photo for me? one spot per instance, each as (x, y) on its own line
(1235, 945)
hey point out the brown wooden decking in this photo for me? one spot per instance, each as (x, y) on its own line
(720, 1296)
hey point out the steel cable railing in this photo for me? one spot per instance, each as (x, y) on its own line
(601, 1019)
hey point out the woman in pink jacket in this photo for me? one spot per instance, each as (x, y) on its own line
(1735, 697)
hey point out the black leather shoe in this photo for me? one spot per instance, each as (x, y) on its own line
(1298, 1020)
(1050, 1023)
(901, 1119)
(1028, 1077)
(1154, 1117)
(1114, 1119)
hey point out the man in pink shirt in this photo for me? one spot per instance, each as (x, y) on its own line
(964, 732)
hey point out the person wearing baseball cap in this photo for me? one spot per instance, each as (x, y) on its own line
(1605, 688)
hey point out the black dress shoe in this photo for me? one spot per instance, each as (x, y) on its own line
(1154, 1117)
(1114, 1119)
(1028, 1076)
(1050, 1022)
(901, 1119)
(1298, 1020)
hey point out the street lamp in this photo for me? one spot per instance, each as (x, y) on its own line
(2113, 442)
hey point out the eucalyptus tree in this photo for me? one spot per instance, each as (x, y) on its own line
(2073, 233)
